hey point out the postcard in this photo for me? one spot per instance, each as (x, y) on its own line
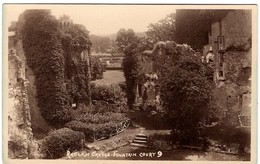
(121, 83)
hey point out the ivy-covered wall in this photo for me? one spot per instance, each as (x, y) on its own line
(54, 55)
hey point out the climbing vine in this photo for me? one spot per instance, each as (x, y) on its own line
(130, 65)
(97, 68)
(75, 41)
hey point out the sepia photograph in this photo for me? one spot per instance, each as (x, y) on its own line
(118, 82)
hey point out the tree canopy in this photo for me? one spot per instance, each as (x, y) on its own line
(163, 30)
(124, 38)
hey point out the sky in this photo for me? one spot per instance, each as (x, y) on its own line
(100, 19)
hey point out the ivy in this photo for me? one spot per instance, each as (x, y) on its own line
(131, 71)
(97, 68)
(54, 57)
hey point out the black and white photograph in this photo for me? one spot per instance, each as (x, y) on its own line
(129, 82)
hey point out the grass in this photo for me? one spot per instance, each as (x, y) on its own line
(111, 77)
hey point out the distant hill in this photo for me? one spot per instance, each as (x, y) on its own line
(113, 36)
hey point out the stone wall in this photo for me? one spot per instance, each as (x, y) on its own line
(236, 27)
(233, 93)
(19, 122)
(38, 123)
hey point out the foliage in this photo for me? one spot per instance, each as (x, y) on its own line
(160, 141)
(97, 68)
(130, 45)
(186, 91)
(112, 93)
(100, 118)
(87, 129)
(59, 141)
(241, 47)
(234, 64)
(163, 30)
(124, 38)
(54, 57)
(45, 57)
(130, 66)
(103, 106)
(100, 44)
(227, 134)
(108, 98)
(95, 129)
(75, 40)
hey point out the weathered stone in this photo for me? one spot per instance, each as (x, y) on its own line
(19, 125)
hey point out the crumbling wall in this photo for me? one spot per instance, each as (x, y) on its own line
(38, 123)
(19, 126)
(234, 94)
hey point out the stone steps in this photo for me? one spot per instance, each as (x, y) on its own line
(140, 140)
(141, 135)
(138, 145)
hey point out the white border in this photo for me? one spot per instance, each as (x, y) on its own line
(131, 2)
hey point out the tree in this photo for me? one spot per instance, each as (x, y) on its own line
(124, 38)
(97, 68)
(186, 92)
(128, 43)
(164, 30)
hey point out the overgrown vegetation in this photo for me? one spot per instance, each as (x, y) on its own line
(97, 68)
(96, 124)
(55, 59)
(45, 57)
(56, 144)
(186, 91)
(185, 85)
(108, 98)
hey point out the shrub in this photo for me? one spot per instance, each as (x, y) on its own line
(103, 106)
(59, 141)
(186, 94)
(94, 131)
(81, 126)
(108, 98)
(88, 128)
(112, 94)
(100, 118)
(97, 68)
(91, 131)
